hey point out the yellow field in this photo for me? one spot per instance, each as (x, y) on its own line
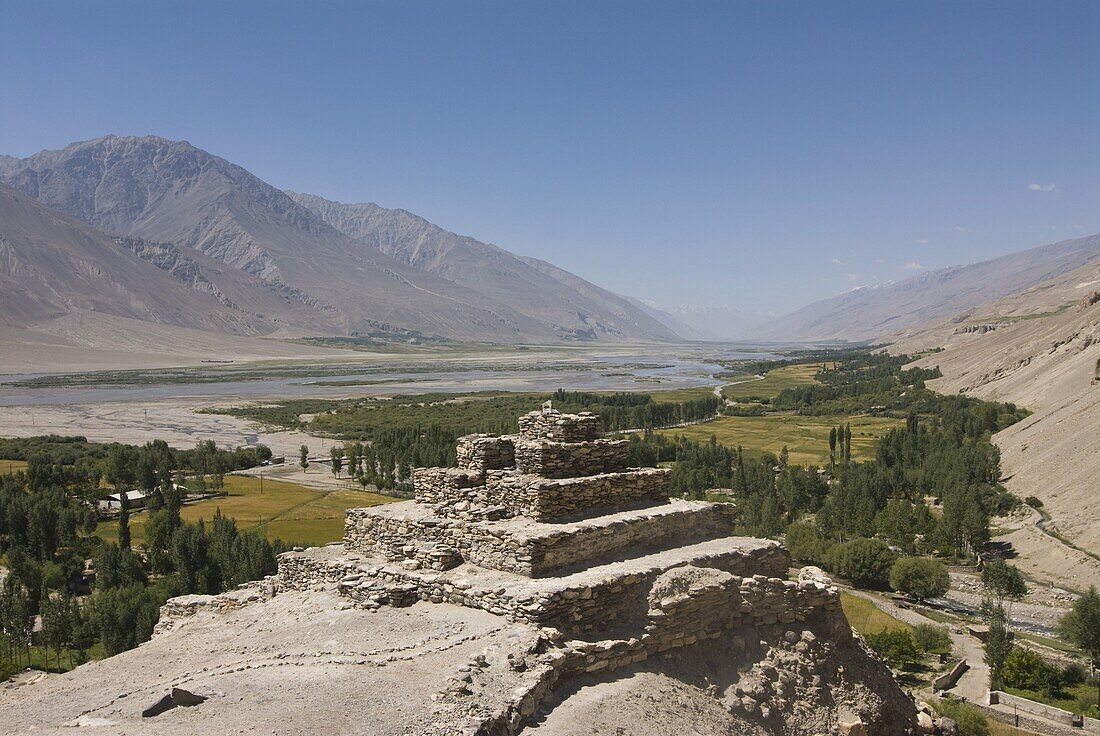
(288, 511)
(10, 467)
(806, 438)
(775, 381)
(866, 618)
(681, 394)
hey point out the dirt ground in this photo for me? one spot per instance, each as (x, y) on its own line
(175, 421)
(296, 664)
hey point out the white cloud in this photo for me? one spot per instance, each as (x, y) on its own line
(922, 241)
(1036, 187)
(851, 277)
(912, 266)
(879, 260)
(1076, 226)
(838, 262)
(961, 229)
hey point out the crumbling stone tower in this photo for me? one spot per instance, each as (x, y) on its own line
(550, 528)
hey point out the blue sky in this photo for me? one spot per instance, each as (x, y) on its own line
(749, 155)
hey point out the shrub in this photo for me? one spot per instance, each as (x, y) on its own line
(866, 562)
(1074, 674)
(895, 646)
(1026, 670)
(920, 577)
(931, 638)
(971, 721)
(1033, 502)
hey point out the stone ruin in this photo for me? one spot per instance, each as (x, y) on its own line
(551, 528)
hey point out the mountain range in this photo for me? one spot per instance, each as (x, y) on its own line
(238, 255)
(874, 313)
(150, 229)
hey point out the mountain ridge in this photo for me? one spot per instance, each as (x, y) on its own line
(577, 307)
(873, 313)
(166, 191)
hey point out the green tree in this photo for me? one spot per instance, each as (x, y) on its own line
(932, 638)
(116, 567)
(806, 544)
(920, 577)
(866, 562)
(998, 644)
(1082, 627)
(1026, 670)
(1002, 580)
(895, 646)
(337, 456)
(124, 617)
(303, 457)
(123, 521)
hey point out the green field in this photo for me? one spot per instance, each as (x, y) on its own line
(806, 438)
(674, 395)
(1069, 698)
(867, 618)
(287, 511)
(775, 381)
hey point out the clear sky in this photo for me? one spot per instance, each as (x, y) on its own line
(750, 155)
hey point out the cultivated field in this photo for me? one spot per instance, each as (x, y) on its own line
(806, 438)
(296, 514)
(775, 381)
(9, 467)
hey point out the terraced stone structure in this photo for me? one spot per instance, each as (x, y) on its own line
(551, 528)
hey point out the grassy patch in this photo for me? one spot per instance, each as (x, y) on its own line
(775, 381)
(1070, 698)
(867, 618)
(806, 438)
(674, 395)
(11, 467)
(288, 511)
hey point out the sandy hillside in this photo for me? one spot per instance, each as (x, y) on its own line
(1039, 349)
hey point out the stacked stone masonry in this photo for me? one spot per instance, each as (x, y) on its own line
(478, 452)
(550, 528)
(569, 459)
(526, 547)
(558, 427)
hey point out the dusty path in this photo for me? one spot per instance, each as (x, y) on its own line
(731, 402)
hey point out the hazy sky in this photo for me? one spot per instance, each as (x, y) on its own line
(751, 155)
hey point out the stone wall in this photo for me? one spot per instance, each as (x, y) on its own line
(440, 543)
(441, 485)
(570, 459)
(562, 499)
(553, 425)
(478, 452)
(595, 606)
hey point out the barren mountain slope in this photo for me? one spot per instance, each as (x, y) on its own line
(575, 307)
(1040, 349)
(52, 265)
(868, 313)
(170, 191)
